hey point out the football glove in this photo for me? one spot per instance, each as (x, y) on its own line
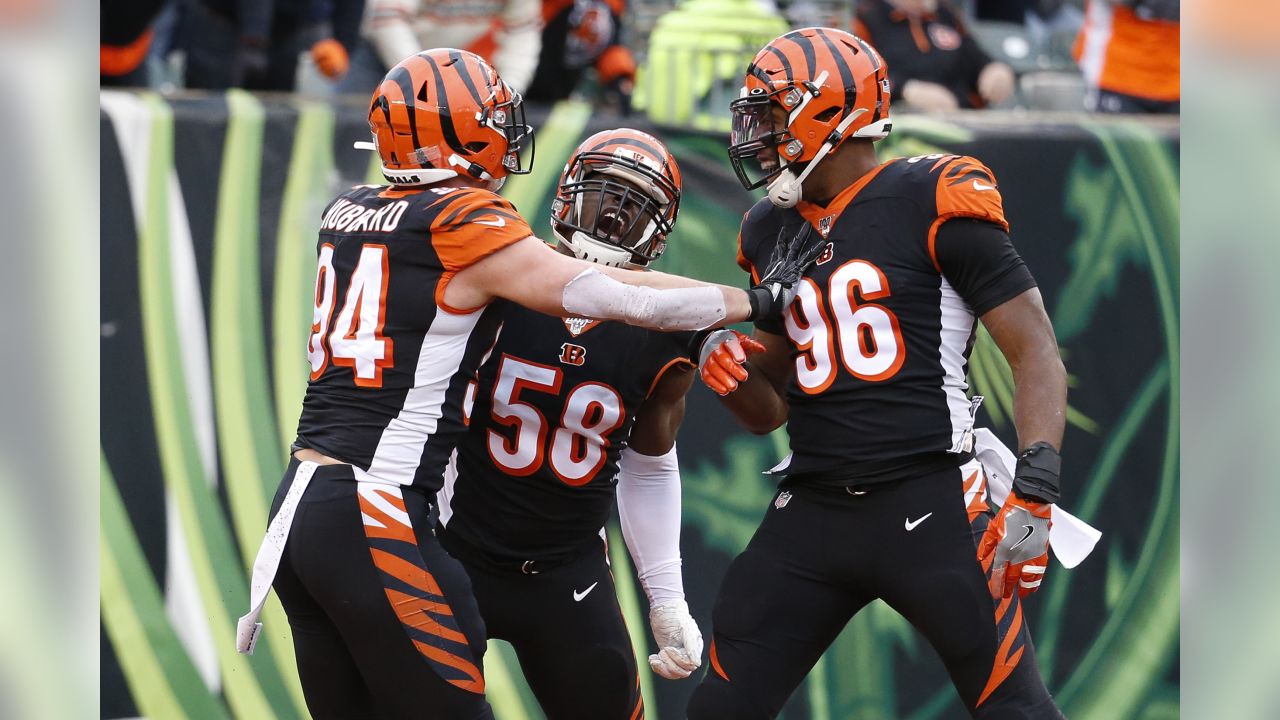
(679, 640)
(777, 287)
(720, 361)
(1015, 549)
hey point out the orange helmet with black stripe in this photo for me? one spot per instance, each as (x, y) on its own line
(829, 84)
(444, 113)
(618, 199)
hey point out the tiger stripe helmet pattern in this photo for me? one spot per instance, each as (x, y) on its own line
(443, 113)
(831, 84)
(618, 199)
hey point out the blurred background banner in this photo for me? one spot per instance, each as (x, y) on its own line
(209, 208)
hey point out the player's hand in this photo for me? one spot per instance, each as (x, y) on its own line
(1015, 549)
(770, 299)
(679, 640)
(720, 361)
(330, 58)
(928, 97)
(778, 284)
(996, 83)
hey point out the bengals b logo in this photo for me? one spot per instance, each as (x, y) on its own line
(571, 354)
(828, 252)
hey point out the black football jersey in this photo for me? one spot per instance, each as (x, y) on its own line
(553, 407)
(390, 361)
(881, 328)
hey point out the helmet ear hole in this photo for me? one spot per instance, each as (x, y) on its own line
(826, 115)
(476, 146)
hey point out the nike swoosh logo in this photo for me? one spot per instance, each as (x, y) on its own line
(976, 186)
(577, 596)
(1030, 530)
(499, 222)
(910, 524)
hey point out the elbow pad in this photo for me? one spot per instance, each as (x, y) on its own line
(596, 295)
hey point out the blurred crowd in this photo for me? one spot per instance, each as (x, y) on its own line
(680, 61)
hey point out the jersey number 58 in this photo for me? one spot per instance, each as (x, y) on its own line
(577, 447)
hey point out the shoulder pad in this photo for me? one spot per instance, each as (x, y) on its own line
(468, 224)
(964, 187)
(759, 227)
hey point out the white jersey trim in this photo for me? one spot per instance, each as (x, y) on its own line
(957, 325)
(399, 451)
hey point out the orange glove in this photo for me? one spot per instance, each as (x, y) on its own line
(1015, 549)
(330, 58)
(722, 357)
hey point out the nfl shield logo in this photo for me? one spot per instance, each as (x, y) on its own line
(783, 498)
(824, 225)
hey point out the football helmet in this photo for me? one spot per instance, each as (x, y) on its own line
(444, 113)
(829, 86)
(618, 199)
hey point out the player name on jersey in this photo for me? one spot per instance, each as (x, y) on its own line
(346, 216)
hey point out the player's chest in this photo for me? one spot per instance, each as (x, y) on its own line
(564, 354)
(873, 251)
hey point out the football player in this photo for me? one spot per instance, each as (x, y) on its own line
(881, 497)
(384, 622)
(568, 411)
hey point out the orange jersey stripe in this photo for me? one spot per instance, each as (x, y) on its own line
(405, 571)
(476, 682)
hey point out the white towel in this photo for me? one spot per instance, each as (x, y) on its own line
(268, 559)
(1071, 538)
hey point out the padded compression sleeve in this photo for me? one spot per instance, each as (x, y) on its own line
(593, 294)
(649, 507)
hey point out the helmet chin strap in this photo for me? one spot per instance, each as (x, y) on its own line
(590, 249)
(786, 189)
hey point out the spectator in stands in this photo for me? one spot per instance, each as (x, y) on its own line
(506, 33)
(126, 38)
(576, 35)
(934, 63)
(255, 44)
(337, 32)
(1128, 52)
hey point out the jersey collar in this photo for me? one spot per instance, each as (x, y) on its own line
(823, 217)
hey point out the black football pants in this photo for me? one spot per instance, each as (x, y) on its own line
(820, 556)
(384, 623)
(567, 629)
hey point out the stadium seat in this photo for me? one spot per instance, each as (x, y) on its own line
(1052, 90)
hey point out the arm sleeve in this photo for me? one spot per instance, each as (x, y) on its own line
(649, 507)
(519, 43)
(390, 31)
(980, 262)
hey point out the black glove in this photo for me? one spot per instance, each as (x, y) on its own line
(777, 287)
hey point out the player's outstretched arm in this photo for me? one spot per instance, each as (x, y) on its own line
(1015, 547)
(649, 507)
(532, 274)
(750, 374)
